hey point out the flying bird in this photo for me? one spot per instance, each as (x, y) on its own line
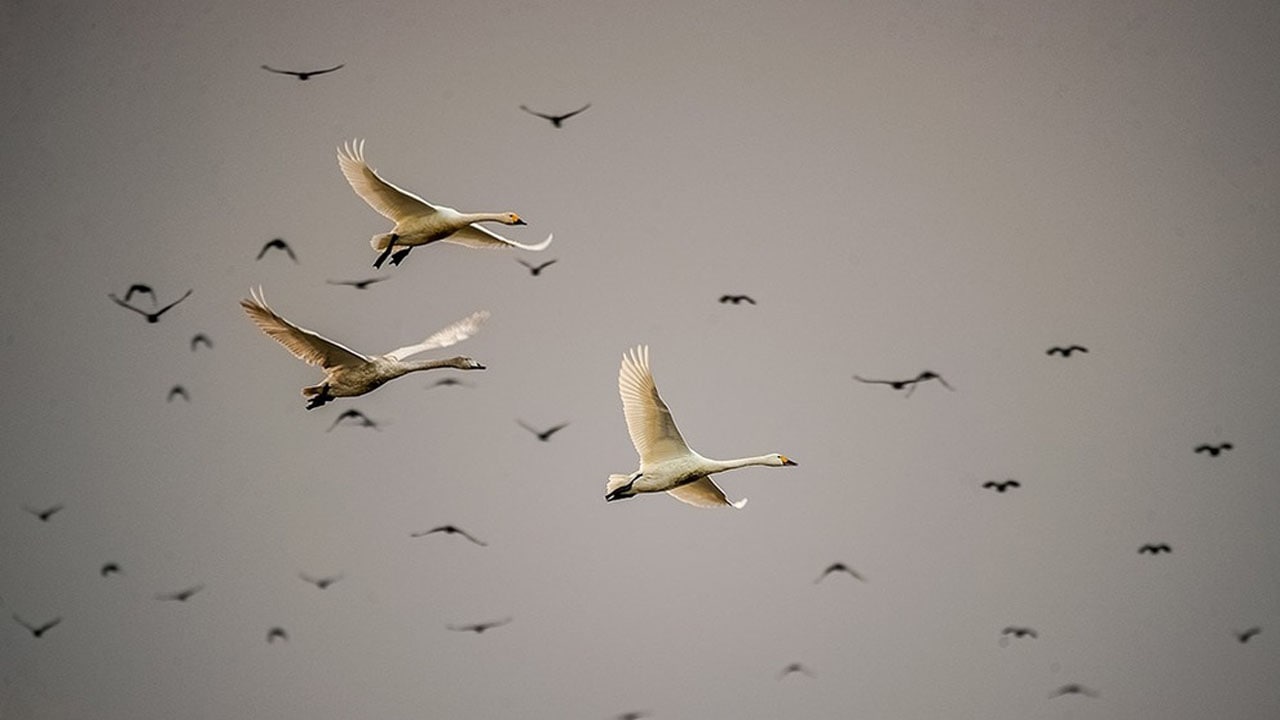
(667, 464)
(535, 270)
(277, 633)
(1073, 689)
(999, 486)
(1066, 351)
(556, 120)
(543, 435)
(152, 317)
(44, 514)
(110, 569)
(179, 391)
(795, 667)
(277, 244)
(447, 381)
(321, 582)
(1246, 635)
(37, 630)
(449, 530)
(140, 288)
(304, 74)
(839, 567)
(200, 339)
(737, 299)
(361, 419)
(633, 715)
(182, 595)
(359, 284)
(480, 627)
(1214, 450)
(909, 384)
(1019, 632)
(1155, 549)
(418, 222)
(347, 372)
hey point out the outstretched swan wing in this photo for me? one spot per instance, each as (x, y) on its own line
(703, 492)
(306, 345)
(474, 236)
(455, 333)
(390, 201)
(653, 430)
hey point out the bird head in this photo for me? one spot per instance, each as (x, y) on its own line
(781, 460)
(466, 363)
(514, 219)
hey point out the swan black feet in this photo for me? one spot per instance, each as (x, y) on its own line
(386, 253)
(320, 398)
(395, 259)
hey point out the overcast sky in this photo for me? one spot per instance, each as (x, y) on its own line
(901, 186)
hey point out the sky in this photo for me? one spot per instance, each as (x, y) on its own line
(901, 186)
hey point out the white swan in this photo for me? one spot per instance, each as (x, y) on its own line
(418, 222)
(347, 372)
(666, 462)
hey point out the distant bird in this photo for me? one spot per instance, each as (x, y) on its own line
(321, 582)
(109, 569)
(667, 464)
(1001, 486)
(347, 372)
(304, 74)
(358, 284)
(1214, 450)
(37, 630)
(46, 513)
(140, 288)
(447, 381)
(556, 120)
(1246, 635)
(417, 221)
(449, 530)
(480, 627)
(182, 595)
(179, 391)
(1155, 549)
(1073, 689)
(277, 633)
(737, 299)
(633, 715)
(543, 435)
(909, 384)
(277, 244)
(200, 339)
(1019, 632)
(839, 567)
(361, 419)
(152, 317)
(795, 667)
(535, 270)
(1066, 351)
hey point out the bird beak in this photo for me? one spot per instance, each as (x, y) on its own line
(788, 461)
(520, 221)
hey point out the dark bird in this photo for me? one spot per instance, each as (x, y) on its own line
(361, 419)
(909, 384)
(180, 392)
(1019, 632)
(1001, 486)
(304, 74)
(140, 288)
(449, 530)
(1214, 450)
(1066, 351)
(200, 339)
(1247, 634)
(181, 595)
(44, 514)
(359, 284)
(1073, 689)
(110, 569)
(449, 381)
(478, 628)
(839, 567)
(277, 633)
(277, 244)
(321, 582)
(633, 715)
(795, 667)
(1155, 549)
(535, 270)
(36, 630)
(737, 299)
(543, 435)
(556, 120)
(152, 317)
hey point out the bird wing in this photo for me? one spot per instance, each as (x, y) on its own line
(474, 236)
(653, 431)
(455, 333)
(566, 116)
(388, 200)
(704, 493)
(534, 112)
(124, 304)
(306, 345)
(165, 309)
(327, 70)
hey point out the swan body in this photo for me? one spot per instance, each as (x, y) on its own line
(418, 222)
(347, 372)
(667, 464)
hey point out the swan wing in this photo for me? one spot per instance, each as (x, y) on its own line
(390, 201)
(653, 430)
(474, 236)
(306, 345)
(704, 493)
(455, 333)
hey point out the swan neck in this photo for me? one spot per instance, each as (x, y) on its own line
(485, 217)
(418, 365)
(722, 465)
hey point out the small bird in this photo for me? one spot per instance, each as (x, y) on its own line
(910, 384)
(140, 288)
(633, 715)
(556, 120)
(277, 244)
(359, 284)
(1019, 632)
(321, 582)
(304, 74)
(1244, 636)
(181, 595)
(152, 317)
(448, 381)
(795, 667)
(480, 627)
(1214, 450)
(737, 299)
(839, 567)
(44, 514)
(1073, 689)
(543, 435)
(179, 391)
(535, 270)
(361, 419)
(200, 339)
(110, 569)
(1001, 486)
(1155, 549)
(1066, 351)
(277, 633)
(449, 530)
(37, 630)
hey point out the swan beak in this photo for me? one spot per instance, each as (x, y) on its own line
(519, 221)
(788, 461)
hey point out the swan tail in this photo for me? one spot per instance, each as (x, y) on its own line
(380, 242)
(615, 482)
(312, 390)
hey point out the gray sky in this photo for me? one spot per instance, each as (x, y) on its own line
(901, 186)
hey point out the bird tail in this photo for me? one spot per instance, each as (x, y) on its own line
(312, 390)
(380, 242)
(615, 482)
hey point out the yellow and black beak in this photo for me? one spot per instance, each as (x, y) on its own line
(788, 461)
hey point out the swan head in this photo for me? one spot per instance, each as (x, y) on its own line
(465, 363)
(514, 219)
(781, 460)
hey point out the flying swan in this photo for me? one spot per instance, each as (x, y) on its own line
(347, 372)
(666, 462)
(418, 222)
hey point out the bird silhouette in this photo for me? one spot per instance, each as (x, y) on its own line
(556, 120)
(1066, 351)
(179, 391)
(535, 270)
(1001, 486)
(140, 288)
(200, 339)
(361, 419)
(359, 284)
(839, 567)
(1155, 549)
(304, 74)
(449, 530)
(737, 299)
(1245, 635)
(1019, 632)
(480, 627)
(321, 582)
(1073, 689)
(448, 381)
(110, 569)
(37, 630)
(543, 435)
(795, 667)
(277, 633)
(909, 384)
(277, 244)
(1214, 450)
(152, 317)
(44, 514)
(633, 715)
(182, 595)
